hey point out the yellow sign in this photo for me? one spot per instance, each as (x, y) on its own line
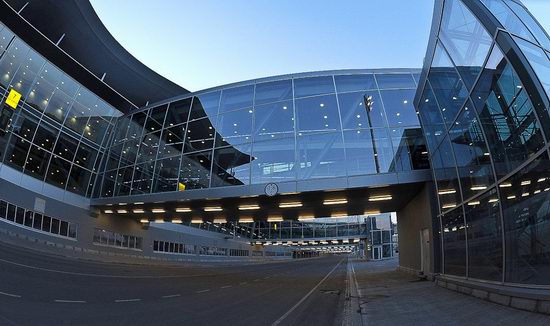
(13, 98)
(181, 186)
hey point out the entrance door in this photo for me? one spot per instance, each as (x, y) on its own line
(425, 251)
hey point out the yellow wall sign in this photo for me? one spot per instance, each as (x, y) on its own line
(13, 98)
(181, 186)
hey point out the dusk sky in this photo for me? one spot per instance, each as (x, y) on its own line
(201, 44)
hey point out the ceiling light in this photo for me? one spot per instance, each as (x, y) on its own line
(371, 212)
(176, 220)
(526, 182)
(108, 211)
(275, 219)
(505, 185)
(306, 218)
(473, 203)
(158, 210)
(380, 198)
(220, 220)
(183, 210)
(122, 211)
(196, 221)
(138, 211)
(213, 209)
(144, 220)
(493, 200)
(159, 220)
(541, 179)
(246, 220)
(120, 204)
(479, 187)
(290, 205)
(139, 203)
(511, 197)
(335, 201)
(448, 206)
(446, 191)
(338, 215)
(248, 207)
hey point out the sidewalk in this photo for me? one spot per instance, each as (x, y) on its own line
(390, 297)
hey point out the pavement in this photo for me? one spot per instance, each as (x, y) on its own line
(391, 297)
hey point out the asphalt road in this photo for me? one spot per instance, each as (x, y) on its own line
(40, 289)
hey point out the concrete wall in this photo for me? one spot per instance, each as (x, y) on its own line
(415, 216)
(87, 220)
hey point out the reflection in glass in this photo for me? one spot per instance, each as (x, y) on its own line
(320, 156)
(400, 108)
(313, 86)
(231, 166)
(316, 114)
(273, 121)
(389, 81)
(273, 161)
(273, 91)
(236, 98)
(352, 83)
(454, 243)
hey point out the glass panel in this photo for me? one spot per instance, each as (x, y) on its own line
(484, 237)
(410, 149)
(58, 172)
(507, 18)
(360, 157)
(273, 91)
(236, 98)
(16, 152)
(432, 122)
(200, 136)
(317, 114)
(525, 199)
(454, 243)
(143, 178)
(79, 180)
(172, 141)
(148, 148)
(205, 105)
(507, 115)
(447, 85)
(58, 106)
(357, 82)
(531, 23)
(539, 61)
(234, 127)
(273, 121)
(37, 162)
(361, 110)
(155, 119)
(444, 166)
(178, 112)
(40, 94)
(195, 170)
(471, 153)
(166, 175)
(400, 108)
(231, 166)
(274, 161)
(383, 151)
(313, 86)
(321, 156)
(96, 129)
(86, 156)
(388, 81)
(65, 147)
(465, 38)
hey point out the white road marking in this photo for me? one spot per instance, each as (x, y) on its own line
(256, 280)
(202, 291)
(243, 283)
(278, 321)
(127, 300)
(69, 301)
(10, 295)
(171, 296)
(226, 287)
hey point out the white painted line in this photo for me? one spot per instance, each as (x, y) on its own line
(202, 291)
(278, 321)
(171, 296)
(243, 283)
(10, 295)
(69, 301)
(226, 286)
(127, 300)
(256, 280)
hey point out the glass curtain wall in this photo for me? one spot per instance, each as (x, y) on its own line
(304, 127)
(59, 131)
(486, 131)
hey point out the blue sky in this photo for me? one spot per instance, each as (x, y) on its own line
(206, 43)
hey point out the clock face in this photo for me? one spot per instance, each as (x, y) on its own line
(271, 189)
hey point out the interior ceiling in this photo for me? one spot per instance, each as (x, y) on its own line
(358, 203)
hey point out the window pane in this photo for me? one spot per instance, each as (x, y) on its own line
(37, 162)
(231, 166)
(195, 170)
(531, 23)
(313, 86)
(316, 114)
(79, 180)
(58, 172)
(273, 121)
(273, 91)
(525, 199)
(359, 152)
(388, 81)
(444, 166)
(400, 108)
(205, 105)
(200, 136)
(274, 161)
(432, 122)
(166, 175)
(484, 237)
(361, 110)
(178, 112)
(321, 156)
(539, 61)
(465, 38)
(66, 147)
(357, 82)
(508, 19)
(234, 127)
(454, 243)
(236, 98)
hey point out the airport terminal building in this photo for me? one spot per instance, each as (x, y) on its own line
(100, 155)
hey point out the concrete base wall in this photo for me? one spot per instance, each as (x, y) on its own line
(414, 217)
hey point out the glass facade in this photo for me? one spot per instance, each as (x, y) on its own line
(300, 128)
(59, 130)
(485, 122)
